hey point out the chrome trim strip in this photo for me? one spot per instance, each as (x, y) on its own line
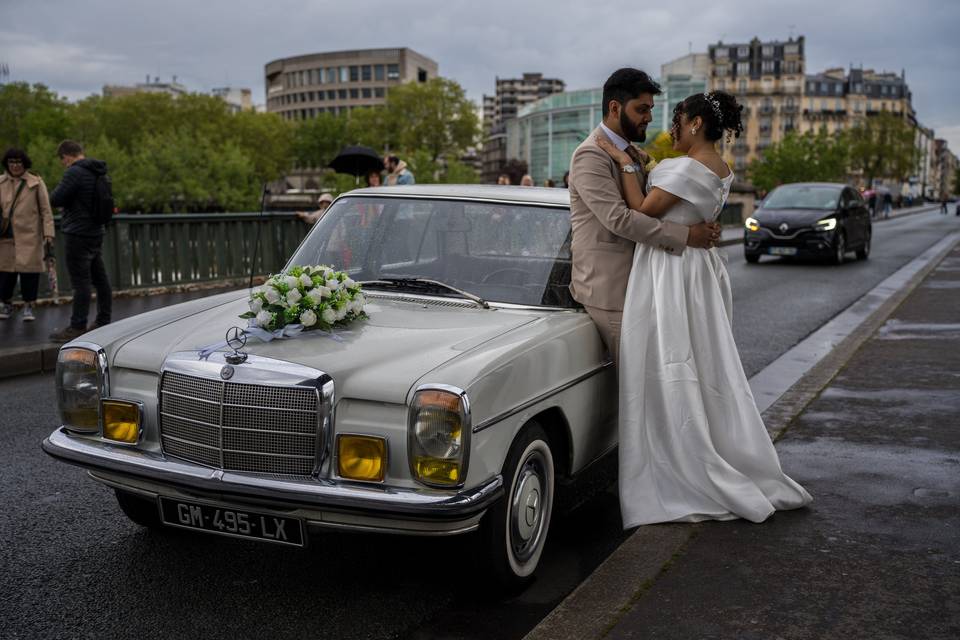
(199, 480)
(489, 422)
(465, 432)
(326, 524)
(405, 196)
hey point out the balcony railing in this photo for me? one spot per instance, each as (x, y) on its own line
(142, 251)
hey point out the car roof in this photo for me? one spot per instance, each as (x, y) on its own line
(522, 195)
(838, 185)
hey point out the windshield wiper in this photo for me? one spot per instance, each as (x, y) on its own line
(423, 284)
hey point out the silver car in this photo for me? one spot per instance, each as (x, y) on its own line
(475, 385)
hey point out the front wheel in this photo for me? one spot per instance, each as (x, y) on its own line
(864, 252)
(514, 530)
(839, 248)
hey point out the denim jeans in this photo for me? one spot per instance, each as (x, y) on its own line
(84, 259)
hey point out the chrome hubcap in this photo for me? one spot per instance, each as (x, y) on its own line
(527, 507)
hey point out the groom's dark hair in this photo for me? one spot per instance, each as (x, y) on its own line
(625, 84)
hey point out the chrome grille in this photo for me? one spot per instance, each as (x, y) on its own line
(238, 426)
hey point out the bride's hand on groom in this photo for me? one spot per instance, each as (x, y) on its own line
(704, 235)
(620, 157)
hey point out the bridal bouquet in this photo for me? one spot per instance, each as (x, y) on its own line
(314, 297)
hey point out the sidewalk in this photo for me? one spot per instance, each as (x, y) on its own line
(27, 348)
(877, 554)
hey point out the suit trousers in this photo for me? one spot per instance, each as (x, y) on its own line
(608, 324)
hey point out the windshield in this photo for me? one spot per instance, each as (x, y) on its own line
(803, 197)
(500, 252)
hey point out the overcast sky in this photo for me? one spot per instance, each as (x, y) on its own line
(77, 47)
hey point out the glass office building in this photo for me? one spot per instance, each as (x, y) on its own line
(546, 133)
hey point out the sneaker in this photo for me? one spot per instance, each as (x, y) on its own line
(6, 310)
(67, 334)
(27, 314)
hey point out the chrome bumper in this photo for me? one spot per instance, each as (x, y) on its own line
(322, 503)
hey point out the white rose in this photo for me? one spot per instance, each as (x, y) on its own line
(291, 281)
(341, 313)
(308, 318)
(294, 296)
(349, 282)
(316, 295)
(333, 284)
(329, 315)
(272, 295)
(306, 281)
(256, 304)
(264, 318)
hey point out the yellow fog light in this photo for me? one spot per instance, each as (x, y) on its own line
(361, 457)
(121, 420)
(438, 471)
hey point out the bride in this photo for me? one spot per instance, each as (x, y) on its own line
(692, 444)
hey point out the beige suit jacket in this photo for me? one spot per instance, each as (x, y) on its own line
(605, 230)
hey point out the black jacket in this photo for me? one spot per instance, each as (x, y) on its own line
(75, 195)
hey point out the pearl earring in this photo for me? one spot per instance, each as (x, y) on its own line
(693, 131)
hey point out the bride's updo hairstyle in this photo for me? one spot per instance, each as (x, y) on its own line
(719, 110)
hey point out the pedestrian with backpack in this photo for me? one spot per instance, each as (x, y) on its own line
(26, 231)
(86, 197)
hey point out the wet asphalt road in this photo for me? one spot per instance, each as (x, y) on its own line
(74, 567)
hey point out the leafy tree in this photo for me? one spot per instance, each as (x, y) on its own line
(28, 112)
(434, 116)
(882, 146)
(662, 147)
(810, 157)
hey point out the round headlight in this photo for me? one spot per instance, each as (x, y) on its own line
(439, 435)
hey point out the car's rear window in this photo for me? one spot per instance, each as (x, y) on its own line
(513, 253)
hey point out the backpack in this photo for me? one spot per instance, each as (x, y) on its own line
(103, 199)
(102, 205)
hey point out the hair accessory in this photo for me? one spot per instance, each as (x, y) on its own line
(716, 107)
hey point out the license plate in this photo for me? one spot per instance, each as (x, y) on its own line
(237, 523)
(782, 251)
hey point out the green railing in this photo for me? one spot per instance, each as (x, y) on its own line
(157, 250)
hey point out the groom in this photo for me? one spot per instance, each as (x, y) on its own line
(604, 229)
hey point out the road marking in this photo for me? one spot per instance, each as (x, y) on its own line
(781, 374)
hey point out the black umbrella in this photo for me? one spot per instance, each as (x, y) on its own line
(357, 161)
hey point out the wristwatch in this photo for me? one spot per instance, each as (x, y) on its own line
(629, 168)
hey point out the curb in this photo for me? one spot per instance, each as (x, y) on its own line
(21, 361)
(600, 601)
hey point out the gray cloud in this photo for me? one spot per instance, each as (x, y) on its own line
(75, 48)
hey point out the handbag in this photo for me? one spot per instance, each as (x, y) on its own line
(6, 222)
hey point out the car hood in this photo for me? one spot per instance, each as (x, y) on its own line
(793, 217)
(376, 359)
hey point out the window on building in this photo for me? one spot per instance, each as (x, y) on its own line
(312, 96)
(743, 52)
(767, 51)
(354, 94)
(742, 86)
(331, 95)
(721, 53)
(791, 49)
(884, 89)
(393, 72)
(721, 71)
(838, 105)
(378, 92)
(379, 73)
(344, 74)
(320, 95)
(354, 73)
(366, 73)
(342, 94)
(421, 75)
(366, 92)
(319, 75)
(769, 66)
(721, 85)
(331, 75)
(869, 105)
(743, 68)
(838, 89)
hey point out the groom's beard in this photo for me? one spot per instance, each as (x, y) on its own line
(631, 132)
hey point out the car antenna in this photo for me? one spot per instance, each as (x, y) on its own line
(256, 245)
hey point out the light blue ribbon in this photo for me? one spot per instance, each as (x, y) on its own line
(289, 331)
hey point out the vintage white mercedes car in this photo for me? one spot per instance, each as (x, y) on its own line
(475, 388)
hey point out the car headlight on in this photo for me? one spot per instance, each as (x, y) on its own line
(439, 435)
(81, 381)
(751, 224)
(828, 224)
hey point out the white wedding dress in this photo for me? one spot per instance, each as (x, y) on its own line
(692, 444)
